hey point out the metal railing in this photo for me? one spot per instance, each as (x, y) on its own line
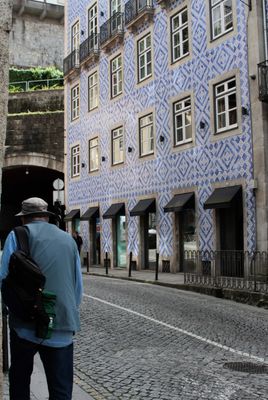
(89, 47)
(41, 84)
(135, 7)
(112, 27)
(71, 61)
(227, 269)
(263, 81)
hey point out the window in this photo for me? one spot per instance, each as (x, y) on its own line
(75, 102)
(221, 17)
(225, 105)
(117, 146)
(93, 154)
(76, 42)
(93, 20)
(116, 76)
(179, 35)
(75, 36)
(93, 91)
(93, 25)
(115, 6)
(75, 161)
(182, 121)
(144, 58)
(146, 135)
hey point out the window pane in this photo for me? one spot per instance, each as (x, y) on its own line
(175, 22)
(217, 28)
(188, 132)
(184, 16)
(232, 117)
(179, 135)
(221, 121)
(188, 118)
(179, 120)
(231, 84)
(232, 101)
(221, 105)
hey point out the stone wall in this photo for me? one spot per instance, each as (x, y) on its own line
(34, 42)
(45, 100)
(5, 26)
(36, 124)
(35, 133)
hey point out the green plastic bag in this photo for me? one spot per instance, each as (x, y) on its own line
(44, 326)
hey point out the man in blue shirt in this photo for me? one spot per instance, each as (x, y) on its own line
(56, 254)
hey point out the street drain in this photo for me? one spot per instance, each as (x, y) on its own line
(247, 367)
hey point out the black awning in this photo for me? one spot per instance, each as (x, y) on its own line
(72, 214)
(222, 197)
(143, 207)
(180, 202)
(114, 210)
(92, 212)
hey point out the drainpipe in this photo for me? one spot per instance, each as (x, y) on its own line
(265, 32)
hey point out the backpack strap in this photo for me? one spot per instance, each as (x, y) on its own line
(22, 237)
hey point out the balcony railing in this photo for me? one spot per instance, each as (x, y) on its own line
(71, 62)
(90, 47)
(112, 28)
(136, 8)
(263, 81)
(43, 84)
(232, 269)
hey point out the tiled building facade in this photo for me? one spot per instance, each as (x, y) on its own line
(159, 129)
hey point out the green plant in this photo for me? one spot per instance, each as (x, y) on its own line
(34, 74)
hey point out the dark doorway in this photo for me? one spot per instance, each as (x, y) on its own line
(95, 247)
(187, 239)
(20, 183)
(231, 238)
(148, 240)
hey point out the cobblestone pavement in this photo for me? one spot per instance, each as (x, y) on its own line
(139, 341)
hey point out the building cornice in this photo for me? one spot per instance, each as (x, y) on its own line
(51, 9)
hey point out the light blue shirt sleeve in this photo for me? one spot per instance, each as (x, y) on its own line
(9, 248)
(78, 280)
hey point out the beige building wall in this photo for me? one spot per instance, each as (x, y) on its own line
(5, 27)
(259, 111)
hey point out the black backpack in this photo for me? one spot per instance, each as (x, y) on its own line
(23, 286)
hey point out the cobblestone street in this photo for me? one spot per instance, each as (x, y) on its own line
(139, 341)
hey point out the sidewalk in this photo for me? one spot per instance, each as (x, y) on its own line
(176, 281)
(147, 276)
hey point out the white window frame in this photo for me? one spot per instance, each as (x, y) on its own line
(219, 6)
(222, 93)
(93, 19)
(75, 40)
(117, 145)
(93, 91)
(115, 7)
(75, 32)
(144, 50)
(178, 32)
(116, 76)
(93, 154)
(75, 102)
(184, 109)
(75, 161)
(146, 135)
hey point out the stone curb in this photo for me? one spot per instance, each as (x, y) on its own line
(240, 296)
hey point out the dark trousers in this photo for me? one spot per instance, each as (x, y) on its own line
(58, 365)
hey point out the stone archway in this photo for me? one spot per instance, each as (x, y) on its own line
(20, 182)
